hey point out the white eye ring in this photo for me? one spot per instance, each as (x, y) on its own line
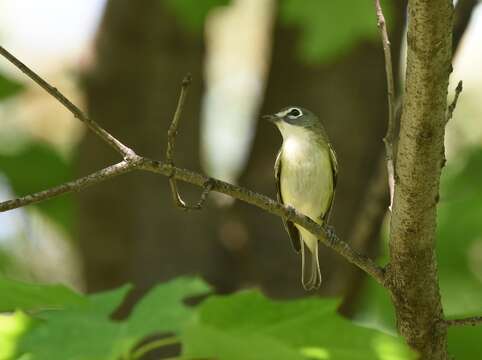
(294, 113)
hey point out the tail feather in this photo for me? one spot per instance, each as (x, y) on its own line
(310, 267)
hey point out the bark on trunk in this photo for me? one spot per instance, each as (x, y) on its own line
(412, 272)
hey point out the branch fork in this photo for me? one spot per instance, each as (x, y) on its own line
(132, 162)
(171, 142)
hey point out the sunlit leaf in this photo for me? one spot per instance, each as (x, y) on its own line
(34, 297)
(192, 13)
(249, 326)
(12, 327)
(82, 332)
(88, 332)
(330, 28)
(167, 299)
(38, 167)
(8, 87)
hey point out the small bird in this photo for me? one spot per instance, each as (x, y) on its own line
(306, 173)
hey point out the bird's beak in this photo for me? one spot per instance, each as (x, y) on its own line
(271, 118)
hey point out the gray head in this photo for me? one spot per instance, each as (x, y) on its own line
(294, 118)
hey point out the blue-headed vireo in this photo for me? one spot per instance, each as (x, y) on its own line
(305, 172)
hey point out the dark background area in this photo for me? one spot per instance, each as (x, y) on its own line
(326, 57)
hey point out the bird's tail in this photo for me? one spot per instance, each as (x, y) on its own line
(310, 264)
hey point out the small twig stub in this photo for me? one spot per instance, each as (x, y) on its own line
(453, 104)
(470, 321)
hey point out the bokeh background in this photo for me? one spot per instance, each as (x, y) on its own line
(123, 61)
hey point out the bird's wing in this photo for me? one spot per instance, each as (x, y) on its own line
(334, 169)
(289, 226)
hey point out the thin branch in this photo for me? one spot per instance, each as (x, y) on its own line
(272, 207)
(390, 135)
(127, 153)
(259, 200)
(470, 321)
(171, 143)
(71, 186)
(453, 105)
(172, 132)
(135, 162)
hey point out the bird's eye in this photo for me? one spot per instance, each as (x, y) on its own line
(294, 113)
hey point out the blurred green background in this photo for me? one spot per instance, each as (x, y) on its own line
(123, 61)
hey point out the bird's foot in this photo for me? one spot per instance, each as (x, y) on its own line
(291, 211)
(331, 234)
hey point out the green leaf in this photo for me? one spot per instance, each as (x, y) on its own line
(82, 332)
(38, 167)
(8, 87)
(331, 28)
(12, 327)
(105, 303)
(192, 13)
(73, 336)
(34, 297)
(249, 326)
(162, 308)
(464, 342)
(459, 243)
(206, 342)
(375, 308)
(87, 332)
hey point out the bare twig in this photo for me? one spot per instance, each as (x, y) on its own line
(259, 200)
(272, 207)
(126, 152)
(135, 162)
(172, 132)
(390, 135)
(171, 143)
(453, 105)
(71, 186)
(470, 321)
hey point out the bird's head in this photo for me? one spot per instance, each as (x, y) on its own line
(295, 119)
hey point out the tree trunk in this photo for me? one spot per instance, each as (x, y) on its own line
(412, 272)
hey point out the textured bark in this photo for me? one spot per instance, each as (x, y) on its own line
(413, 268)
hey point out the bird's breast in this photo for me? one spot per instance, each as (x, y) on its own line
(306, 179)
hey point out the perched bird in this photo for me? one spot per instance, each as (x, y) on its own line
(305, 172)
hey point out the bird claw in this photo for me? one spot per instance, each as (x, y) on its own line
(330, 234)
(291, 211)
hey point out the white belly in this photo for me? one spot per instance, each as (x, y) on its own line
(306, 177)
